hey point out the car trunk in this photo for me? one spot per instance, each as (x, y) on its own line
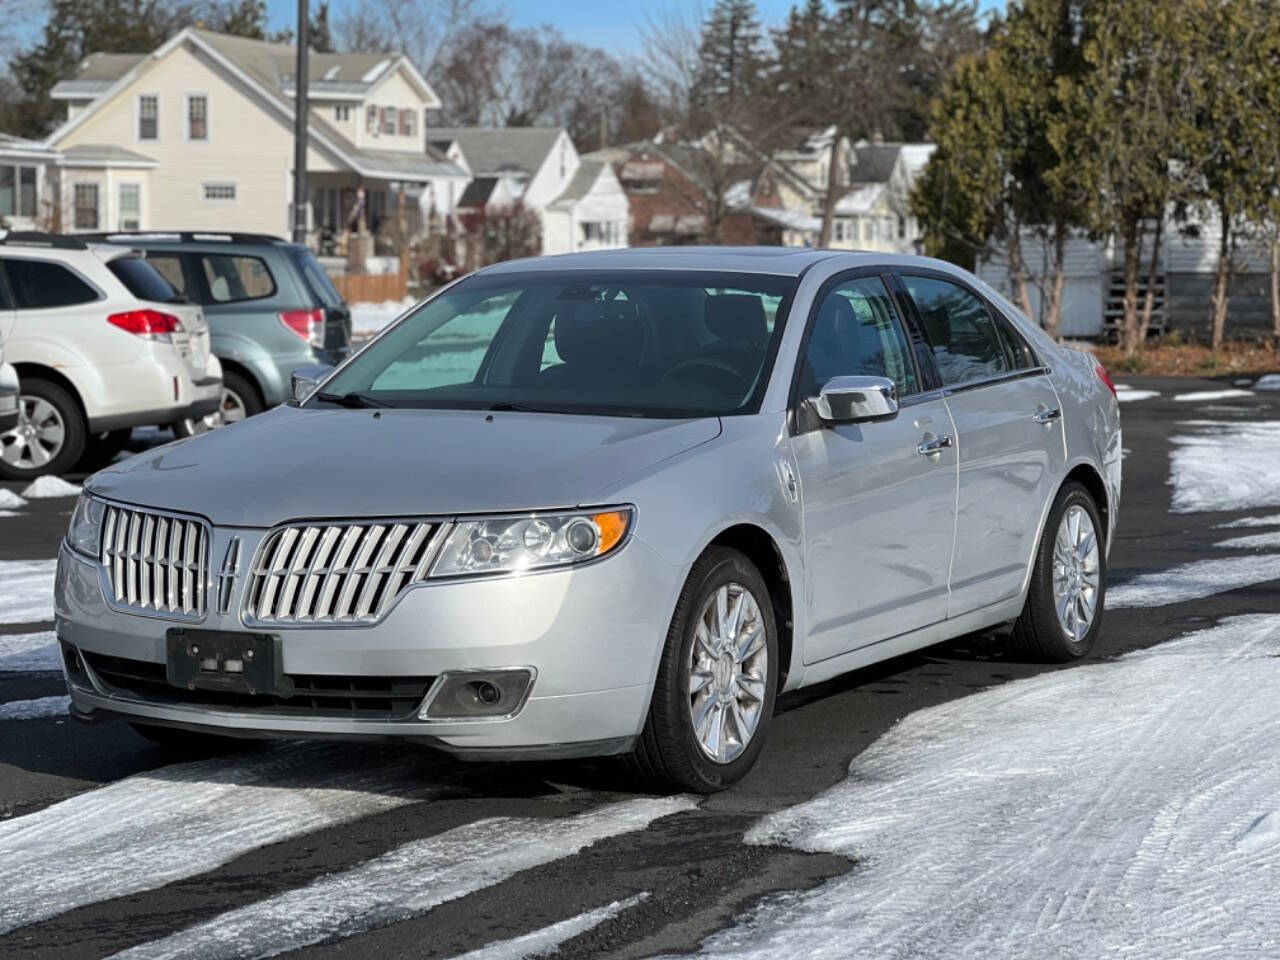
(337, 316)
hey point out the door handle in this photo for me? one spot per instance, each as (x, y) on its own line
(935, 446)
(1047, 416)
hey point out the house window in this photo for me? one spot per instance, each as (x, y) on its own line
(130, 212)
(371, 120)
(218, 191)
(17, 191)
(342, 113)
(86, 206)
(838, 231)
(902, 228)
(408, 122)
(197, 117)
(389, 120)
(148, 117)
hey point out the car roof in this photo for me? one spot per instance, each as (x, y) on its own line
(175, 239)
(778, 261)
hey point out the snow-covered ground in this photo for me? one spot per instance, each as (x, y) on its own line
(1269, 382)
(27, 596)
(38, 709)
(50, 487)
(1225, 466)
(405, 882)
(27, 652)
(1128, 394)
(546, 941)
(1202, 395)
(1254, 541)
(369, 318)
(1193, 580)
(1123, 809)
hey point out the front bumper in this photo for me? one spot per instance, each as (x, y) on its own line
(594, 635)
(9, 392)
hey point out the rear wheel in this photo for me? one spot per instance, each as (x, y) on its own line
(1063, 613)
(713, 700)
(50, 435)
(239, 400)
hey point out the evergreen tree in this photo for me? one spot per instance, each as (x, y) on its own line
(318, 30)
(731, 60)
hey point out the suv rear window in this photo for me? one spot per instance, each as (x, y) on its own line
(316, 279)
(142, 280)
(235, 277)
(41, 284)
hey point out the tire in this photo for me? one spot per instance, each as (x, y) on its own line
(1041, 633)
(240, 400)
(669, 753)
(30, 456)
(187, 741)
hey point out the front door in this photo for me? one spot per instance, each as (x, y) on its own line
(1008, 421)
(879, 515)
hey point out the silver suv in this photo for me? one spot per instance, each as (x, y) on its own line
(609, 503)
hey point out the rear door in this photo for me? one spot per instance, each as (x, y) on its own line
(1009, 431)
(879, 512)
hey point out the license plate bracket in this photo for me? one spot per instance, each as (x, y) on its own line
(225, 661)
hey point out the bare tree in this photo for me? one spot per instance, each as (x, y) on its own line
(423, 30)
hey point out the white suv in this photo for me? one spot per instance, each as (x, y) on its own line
(8, 393)
(102, 343)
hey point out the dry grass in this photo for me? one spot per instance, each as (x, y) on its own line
(1174, 357)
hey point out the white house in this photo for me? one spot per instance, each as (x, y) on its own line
(580, 202)
(198, 134)
(26, 183)
(875, 213)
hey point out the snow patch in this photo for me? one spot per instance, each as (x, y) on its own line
(546, 941)
(372, 317)
(26, 590)
(1091, 812)
(403, 883)
(1128, 395)
(37, 709)
(10, 500)
(1269, 521)
(29, 652)
(1269, 382)
(9, 513)
(1192, 581)
(1263, 832)
(1225, 466)
(49, 488)
(151, 829)
(1212, 395)
(1256, 541)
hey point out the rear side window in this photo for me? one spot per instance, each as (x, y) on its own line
(234, 277)
(142, 280)
(316, 280)
(169, 266)
(42, 284)
(967, 345)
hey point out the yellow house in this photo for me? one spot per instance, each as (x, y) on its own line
(198, 135)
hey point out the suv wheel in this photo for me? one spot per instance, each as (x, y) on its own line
(1063, 613)
(713, 700)
(239, 400)
(50, 435)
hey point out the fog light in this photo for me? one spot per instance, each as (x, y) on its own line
(478, 694)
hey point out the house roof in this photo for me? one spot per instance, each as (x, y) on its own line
(788, 219)
(584, 178)
(861, 199)
(97, 72)
(20, 147)
(501, 149)
(875, 162)
(104, 155)
(477, 194)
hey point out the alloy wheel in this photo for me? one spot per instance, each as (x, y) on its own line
(231, 410)
(727, 673)
(1076, 573)
(37, 439)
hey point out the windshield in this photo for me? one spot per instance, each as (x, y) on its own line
(649, 344)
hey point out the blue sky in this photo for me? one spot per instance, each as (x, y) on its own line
(604, 23)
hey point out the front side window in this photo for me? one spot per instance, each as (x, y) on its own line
(232, 278)
(197, 117)
(856, 333)
(148, 117)
(967, 344)
(86, 206)
(41, 284)
(663, 344)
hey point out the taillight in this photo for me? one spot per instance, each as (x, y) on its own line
(151, 324)
(307, 325)
(1106, 378)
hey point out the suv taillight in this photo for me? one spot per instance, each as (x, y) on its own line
(151, 324)
(1106, 378)
(306, 325)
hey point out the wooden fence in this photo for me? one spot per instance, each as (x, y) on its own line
(374, 287)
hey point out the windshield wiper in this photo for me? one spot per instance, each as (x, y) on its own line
(506, 406)
(355, 401)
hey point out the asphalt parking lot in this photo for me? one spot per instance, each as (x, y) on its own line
(675, 875)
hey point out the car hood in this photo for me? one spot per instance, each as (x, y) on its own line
(298, 463)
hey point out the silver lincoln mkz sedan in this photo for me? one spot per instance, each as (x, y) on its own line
(608, 503)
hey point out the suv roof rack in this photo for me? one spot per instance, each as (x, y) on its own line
(183, 236)
(35, 238)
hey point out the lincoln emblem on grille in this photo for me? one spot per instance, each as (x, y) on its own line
(227, 575)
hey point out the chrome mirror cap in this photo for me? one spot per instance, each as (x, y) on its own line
(856, 399)
(304, 380)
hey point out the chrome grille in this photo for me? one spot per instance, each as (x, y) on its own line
(339, 573)
(155, 561)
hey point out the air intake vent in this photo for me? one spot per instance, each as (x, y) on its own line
(342, 573)
(155, 562)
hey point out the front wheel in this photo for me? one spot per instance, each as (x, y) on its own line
(713, 700)
(1063, 613)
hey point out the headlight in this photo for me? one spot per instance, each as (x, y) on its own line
(85, 534)
(531, 542)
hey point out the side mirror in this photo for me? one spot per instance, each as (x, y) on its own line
(856, 400)
(304, 380)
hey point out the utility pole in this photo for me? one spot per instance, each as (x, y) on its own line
(301, 112)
